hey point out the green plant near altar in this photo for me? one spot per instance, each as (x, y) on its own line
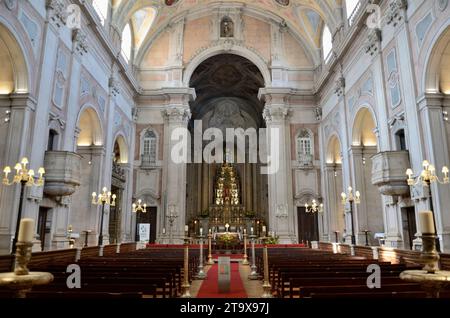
(273, 239)
(227, 239)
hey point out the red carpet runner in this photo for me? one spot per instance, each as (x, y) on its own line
(210, 287)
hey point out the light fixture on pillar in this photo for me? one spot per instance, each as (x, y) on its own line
(315, 208)
(426, 177)
(26, 178)
(350, 198)
(103, 199)
(171, 218)
(139, 207)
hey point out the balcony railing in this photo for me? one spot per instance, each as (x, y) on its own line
(147, 161)
(305, 160)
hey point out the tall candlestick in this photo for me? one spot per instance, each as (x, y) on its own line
(26, 231)
(426, 222)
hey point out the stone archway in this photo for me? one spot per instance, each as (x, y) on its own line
(368, 214)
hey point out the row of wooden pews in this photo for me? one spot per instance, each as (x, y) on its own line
(307, 273)
(147, 273)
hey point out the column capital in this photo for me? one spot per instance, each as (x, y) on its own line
(373, 43)
(276, 113)
(396, 12)
(56, 12)
(177, 114)
(80, 44)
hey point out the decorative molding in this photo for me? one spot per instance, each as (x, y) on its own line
(442, 4)
(56, 12)
(318, 113)
(114, 86)
(339, 87)
(11, 4)
(373, 44)
(177, 114)
(56, 119)
(275, 113)
(79, 39)
(395, 12)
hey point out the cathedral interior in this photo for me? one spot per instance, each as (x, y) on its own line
(312, 124)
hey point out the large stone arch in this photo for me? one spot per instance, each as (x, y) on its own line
(432, 69)
(120, 139)
(89, 121)
(13, 57)
(364, 122)
(223, 48)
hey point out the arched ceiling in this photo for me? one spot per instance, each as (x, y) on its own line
(227, 76)
(305, 18)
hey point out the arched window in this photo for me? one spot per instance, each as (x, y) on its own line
(305, 147)
(351, 6)
(327, 43)
(149, 147)
(101, 7)
(126, 42)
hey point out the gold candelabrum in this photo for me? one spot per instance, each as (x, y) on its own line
(103, 199)
(21, 280)
(245, 258)
(314, 207)
(139, 207)
(26, 178)
(267, 287)
(350, 198)
(210, 260)
(426, 177)
(186, 293)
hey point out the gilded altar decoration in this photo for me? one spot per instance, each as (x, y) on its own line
(227, 186)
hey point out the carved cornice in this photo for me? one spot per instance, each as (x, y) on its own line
(56, 12)
(395, 13)
(79, 41)
(373, 43)
(339, 86)
(114, 86)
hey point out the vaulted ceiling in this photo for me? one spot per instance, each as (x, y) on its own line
(305, 18)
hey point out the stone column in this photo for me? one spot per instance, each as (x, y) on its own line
(436, 135)
(176, 116)
(281, 204)
(14, 145)
(333, 205)
(127, 196)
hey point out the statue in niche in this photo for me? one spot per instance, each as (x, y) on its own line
(283, 2)
(226, 28)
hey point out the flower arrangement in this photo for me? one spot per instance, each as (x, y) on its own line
(204, 214)
(273, 239)
(227, 239)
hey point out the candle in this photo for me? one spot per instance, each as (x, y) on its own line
(264, 229)
(251, 230)
(164, 230)
(186, 228)
(426, 222)
(245, 231)
(209, 231)
(26, 230)
(201, 231)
